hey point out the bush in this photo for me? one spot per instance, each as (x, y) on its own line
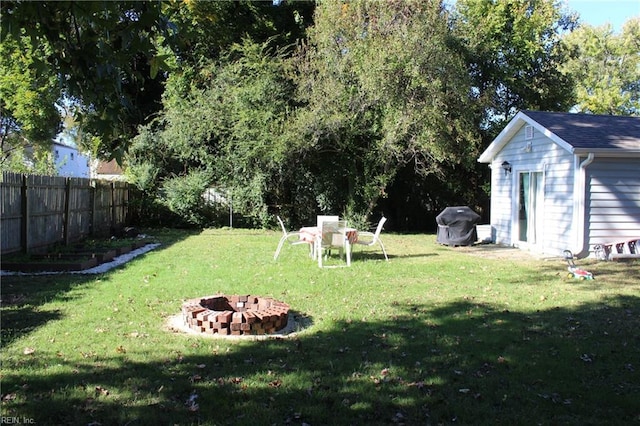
(183, 195)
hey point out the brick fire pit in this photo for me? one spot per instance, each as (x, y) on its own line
(235, 315)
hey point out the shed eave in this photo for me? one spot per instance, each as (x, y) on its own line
(608, 152)
(505, 136)
(502, 139)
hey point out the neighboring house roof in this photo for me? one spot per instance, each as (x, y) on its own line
(577, 133)
(109, 168)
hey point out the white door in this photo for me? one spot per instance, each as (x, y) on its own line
(530, 204)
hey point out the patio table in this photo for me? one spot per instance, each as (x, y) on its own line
(310, 233)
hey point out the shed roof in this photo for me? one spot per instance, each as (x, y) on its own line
(577, 133)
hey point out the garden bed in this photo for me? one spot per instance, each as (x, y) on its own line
(78, 257)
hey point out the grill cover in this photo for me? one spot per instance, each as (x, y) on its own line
(457, 226)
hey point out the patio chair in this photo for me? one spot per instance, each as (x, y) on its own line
(287, 237)
(321, 218)
(370, 238)
(333, 234)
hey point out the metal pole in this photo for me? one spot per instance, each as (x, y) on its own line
(230, 210)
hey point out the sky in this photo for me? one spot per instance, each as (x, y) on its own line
(600, 12)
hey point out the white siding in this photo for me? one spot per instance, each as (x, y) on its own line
(69, 162)
(556, 164)
(613, 203)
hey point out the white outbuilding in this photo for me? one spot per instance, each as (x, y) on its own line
(563, 181)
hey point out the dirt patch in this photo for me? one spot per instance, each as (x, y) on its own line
(496, 251)
(296, 323)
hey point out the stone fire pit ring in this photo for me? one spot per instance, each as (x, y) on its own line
(235, 315)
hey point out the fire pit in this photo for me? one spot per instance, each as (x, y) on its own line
(235, 315)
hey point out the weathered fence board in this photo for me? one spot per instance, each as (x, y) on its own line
(11, 212)
(39, 211)
(44, 210)
(79, 207)
(102, 208)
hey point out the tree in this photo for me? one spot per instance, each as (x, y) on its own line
(514, 53)
(223, 107)
(229, 130)
(380, 88)
(606, 68)
(28, 113)
(112, 58)
(103, 55)
(208, 28)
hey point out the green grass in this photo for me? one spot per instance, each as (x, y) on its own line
(435, 336)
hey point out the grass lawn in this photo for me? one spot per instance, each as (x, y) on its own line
(437, 335)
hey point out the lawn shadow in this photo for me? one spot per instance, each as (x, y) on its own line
(461, 362)
(24, 294)
(23, 320)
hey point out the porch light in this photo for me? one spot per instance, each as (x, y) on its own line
(506, 166)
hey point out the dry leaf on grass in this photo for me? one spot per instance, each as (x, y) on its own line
(8, 397)
(102, 391)
(191, 402)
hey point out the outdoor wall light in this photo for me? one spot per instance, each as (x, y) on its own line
(506, 166)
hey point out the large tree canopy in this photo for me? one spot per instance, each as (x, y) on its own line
(514, 54)
(28, 113)
(303, 107)
(606, 68)
(229, 130)
(111, 58)
(103, 54)
(381, 88)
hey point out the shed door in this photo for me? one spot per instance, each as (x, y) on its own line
(530, 203)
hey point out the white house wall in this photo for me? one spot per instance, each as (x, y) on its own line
(69, 162)
(556, 164)
(613, 205)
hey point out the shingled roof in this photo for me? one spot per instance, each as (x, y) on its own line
(578, 133)
(591, 130)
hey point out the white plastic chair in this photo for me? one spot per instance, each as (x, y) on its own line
(333, 234)
(321, 218)
(370, 238)
(286, 237)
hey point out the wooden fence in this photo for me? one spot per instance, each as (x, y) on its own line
(40, 211)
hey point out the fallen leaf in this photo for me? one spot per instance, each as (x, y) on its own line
(191, 402)
(121, 350)
(102, 391)
(586, 358)
(28, 351)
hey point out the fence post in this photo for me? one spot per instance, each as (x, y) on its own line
(92, 192)
(24, 226)
(114, 216)
(67, 211)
